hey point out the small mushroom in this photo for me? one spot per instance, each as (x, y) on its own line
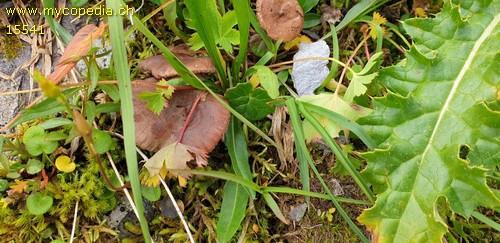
(205, 128)
(160, 68)
(281, 19)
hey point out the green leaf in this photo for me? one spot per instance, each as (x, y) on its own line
(56, 136)
(342, 121)
(4, 185)
(55, 122)
(39, 204)
(78, 3)
(34, 166)
(207, 22)
(271, 203)
(268, 79)
(307, 5)
(225, 35)
(36, 143)
(45, 108)
(155, 101)
(152, 193)
(102, 141)
(357, 86)
(232, 213)
(251, 103)
(235, 142)
(436, 106)
(333, 103)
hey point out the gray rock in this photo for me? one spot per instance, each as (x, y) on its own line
(15, 68)
(308, 75)
(298, 212)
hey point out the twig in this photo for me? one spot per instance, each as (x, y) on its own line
(186, 227)
(73, 228)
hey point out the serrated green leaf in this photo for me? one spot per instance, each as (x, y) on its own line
(234, 205)
(154, 101)
(225, 36)
(251, 103)
(436, 105)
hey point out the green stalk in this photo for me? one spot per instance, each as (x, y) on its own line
(123, 75)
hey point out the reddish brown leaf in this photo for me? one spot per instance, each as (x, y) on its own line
(79, 46)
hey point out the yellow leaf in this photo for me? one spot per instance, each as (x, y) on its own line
(64, 164)
(254, 80)
(182, 181)
(420, 12)
(294, 44)
(20, 186)
(5, 202)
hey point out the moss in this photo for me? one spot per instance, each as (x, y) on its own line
(9, 44)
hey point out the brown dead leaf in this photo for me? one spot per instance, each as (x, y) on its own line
(205, 128)
(20, 186)
(79, 46)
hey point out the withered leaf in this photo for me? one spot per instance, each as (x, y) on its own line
(79, 46)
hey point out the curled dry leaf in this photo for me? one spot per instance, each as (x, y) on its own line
(281, 19)
(205, 128)
(160, 68)
(79, 46)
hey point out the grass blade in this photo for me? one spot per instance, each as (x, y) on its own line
(361, 8)
(312, 194)
(342, 121)
(342, 212)
(237, 148)
(123, 75)
(274, 207)
(225, 176)
(486, 220)
(242, 9)
(300, 145)
(60, 32)
(232, 213)
(203, 15)
(338, 152)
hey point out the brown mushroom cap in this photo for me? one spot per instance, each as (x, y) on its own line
(160, 68)
(281, 19)
(205, 129)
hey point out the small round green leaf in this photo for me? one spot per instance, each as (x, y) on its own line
(36, 144)
(152, 194)
(4, 185)
(39, 204)
(102, 141)
(34, 166)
